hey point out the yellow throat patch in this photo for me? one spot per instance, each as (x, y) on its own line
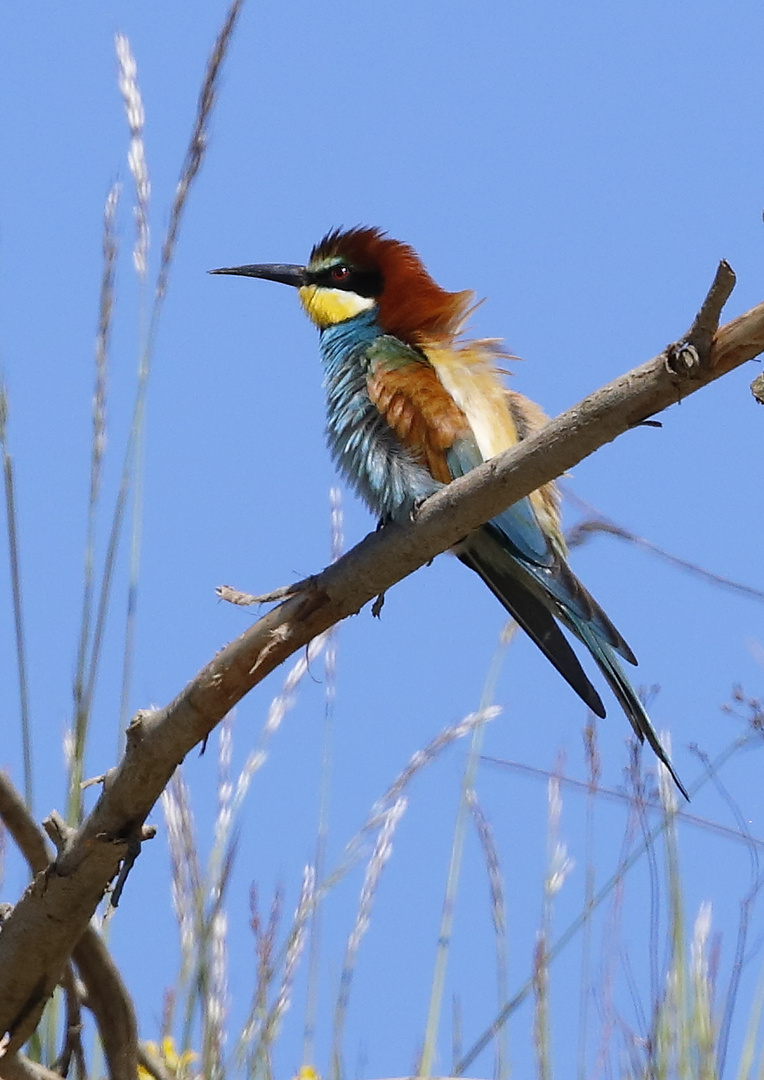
(325, 307)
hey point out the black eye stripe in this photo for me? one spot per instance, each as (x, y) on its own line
(366, 283)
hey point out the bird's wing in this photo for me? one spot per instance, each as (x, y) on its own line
(450, 427)
(530, 528)
(449, 408)
(498, 420)
(546, 572)
(406, 390)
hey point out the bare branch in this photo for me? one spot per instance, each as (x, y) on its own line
(72, 1046)
(706, 322)
(107, 997)
(20, 1067)
(29, 838)
(110, 1003)
(48, 920)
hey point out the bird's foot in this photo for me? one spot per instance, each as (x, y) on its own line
(417, 506)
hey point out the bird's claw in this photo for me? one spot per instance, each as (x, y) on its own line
(417, 506)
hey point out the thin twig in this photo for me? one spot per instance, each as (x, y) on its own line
(72, 1047)
(244, 599)
(621, 797)
(600, 523)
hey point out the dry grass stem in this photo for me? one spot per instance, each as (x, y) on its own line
(593, 769)
(216, 1002)
(379, 858)
(133, 469)
(197, 145)
(420, 759)
(18, 607)
(136, 155)
(322, 825)
(184, 863)
(265, 948)
(559, 866)
(75, 759)
(499, 920)
(255, 1043)
(445, 930)
(294, 948)
(702, 1023)
(103, 339)
(355, 847)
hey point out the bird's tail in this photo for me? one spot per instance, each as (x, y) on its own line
(625, 694)
(535, 608)
(502, 574)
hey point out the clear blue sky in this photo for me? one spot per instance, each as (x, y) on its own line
(581, 166)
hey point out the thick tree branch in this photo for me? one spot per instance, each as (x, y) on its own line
(107, 996)
(56, 908)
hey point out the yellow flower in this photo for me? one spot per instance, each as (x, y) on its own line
(172, 1061)
(307, 1072)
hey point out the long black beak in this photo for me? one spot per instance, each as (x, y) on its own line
(286, 273)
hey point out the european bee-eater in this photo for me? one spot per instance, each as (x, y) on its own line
(411, 405)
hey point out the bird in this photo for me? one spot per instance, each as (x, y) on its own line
(412, 404)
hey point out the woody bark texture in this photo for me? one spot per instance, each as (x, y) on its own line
(49, 919)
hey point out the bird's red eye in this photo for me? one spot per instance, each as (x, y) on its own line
(340, 273)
